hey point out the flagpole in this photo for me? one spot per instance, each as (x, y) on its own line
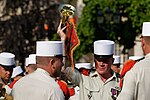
(68, 33)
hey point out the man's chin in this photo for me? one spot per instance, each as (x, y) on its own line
(101, 72)
(7, 79)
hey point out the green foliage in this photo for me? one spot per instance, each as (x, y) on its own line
(132, 14)
(20, 31)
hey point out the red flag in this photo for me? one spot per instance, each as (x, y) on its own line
(72, 40)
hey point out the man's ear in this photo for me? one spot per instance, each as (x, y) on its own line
(52, 61)
(143, 42)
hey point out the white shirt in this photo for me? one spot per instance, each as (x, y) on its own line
(37, 86)
(136, 85)
(92, 87)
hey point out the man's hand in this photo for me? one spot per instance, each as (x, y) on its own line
(60, 31)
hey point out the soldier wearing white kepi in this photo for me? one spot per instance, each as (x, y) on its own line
(41, 84)
(116, 64)
(100, 84)
(16, 71)
(136, 85)
(30, 65)
(16, 75)
(7, 63)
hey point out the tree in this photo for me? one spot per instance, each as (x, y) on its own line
(23, 22)
(132, 14)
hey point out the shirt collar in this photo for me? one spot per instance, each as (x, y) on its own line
(45, 75)
(43, 71)
(113, 77)
(95, 74)
(148, 55)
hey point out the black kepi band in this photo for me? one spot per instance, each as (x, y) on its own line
(103, 56)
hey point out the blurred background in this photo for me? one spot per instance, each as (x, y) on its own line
(23, 22)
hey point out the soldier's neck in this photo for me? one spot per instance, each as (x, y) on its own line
(104, 77)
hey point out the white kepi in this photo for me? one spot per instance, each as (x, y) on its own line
(116, 59)
(32, 59)
(49, 48)
(7, 59)
(26, 61)
(83, 65)
(146, 29)
(103, 48)
(16, 71)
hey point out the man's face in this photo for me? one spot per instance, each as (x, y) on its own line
(5, 73)
(58, 66)
(103, 65)
(116, 68)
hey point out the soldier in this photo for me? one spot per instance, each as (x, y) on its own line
(100, 84)
(41, 84)
(16, 75)
(30, 64)
(116, 64)
(31, 67)
(7, 63)
(136, 85)
(128, 65)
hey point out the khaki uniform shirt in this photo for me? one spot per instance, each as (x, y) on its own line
(136, 85)
(37, 86)
(93, 88)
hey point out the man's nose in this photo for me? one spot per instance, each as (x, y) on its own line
(102, 64)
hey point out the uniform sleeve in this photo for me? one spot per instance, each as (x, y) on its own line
(74, 75)
(129, 86)
(56, 94)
